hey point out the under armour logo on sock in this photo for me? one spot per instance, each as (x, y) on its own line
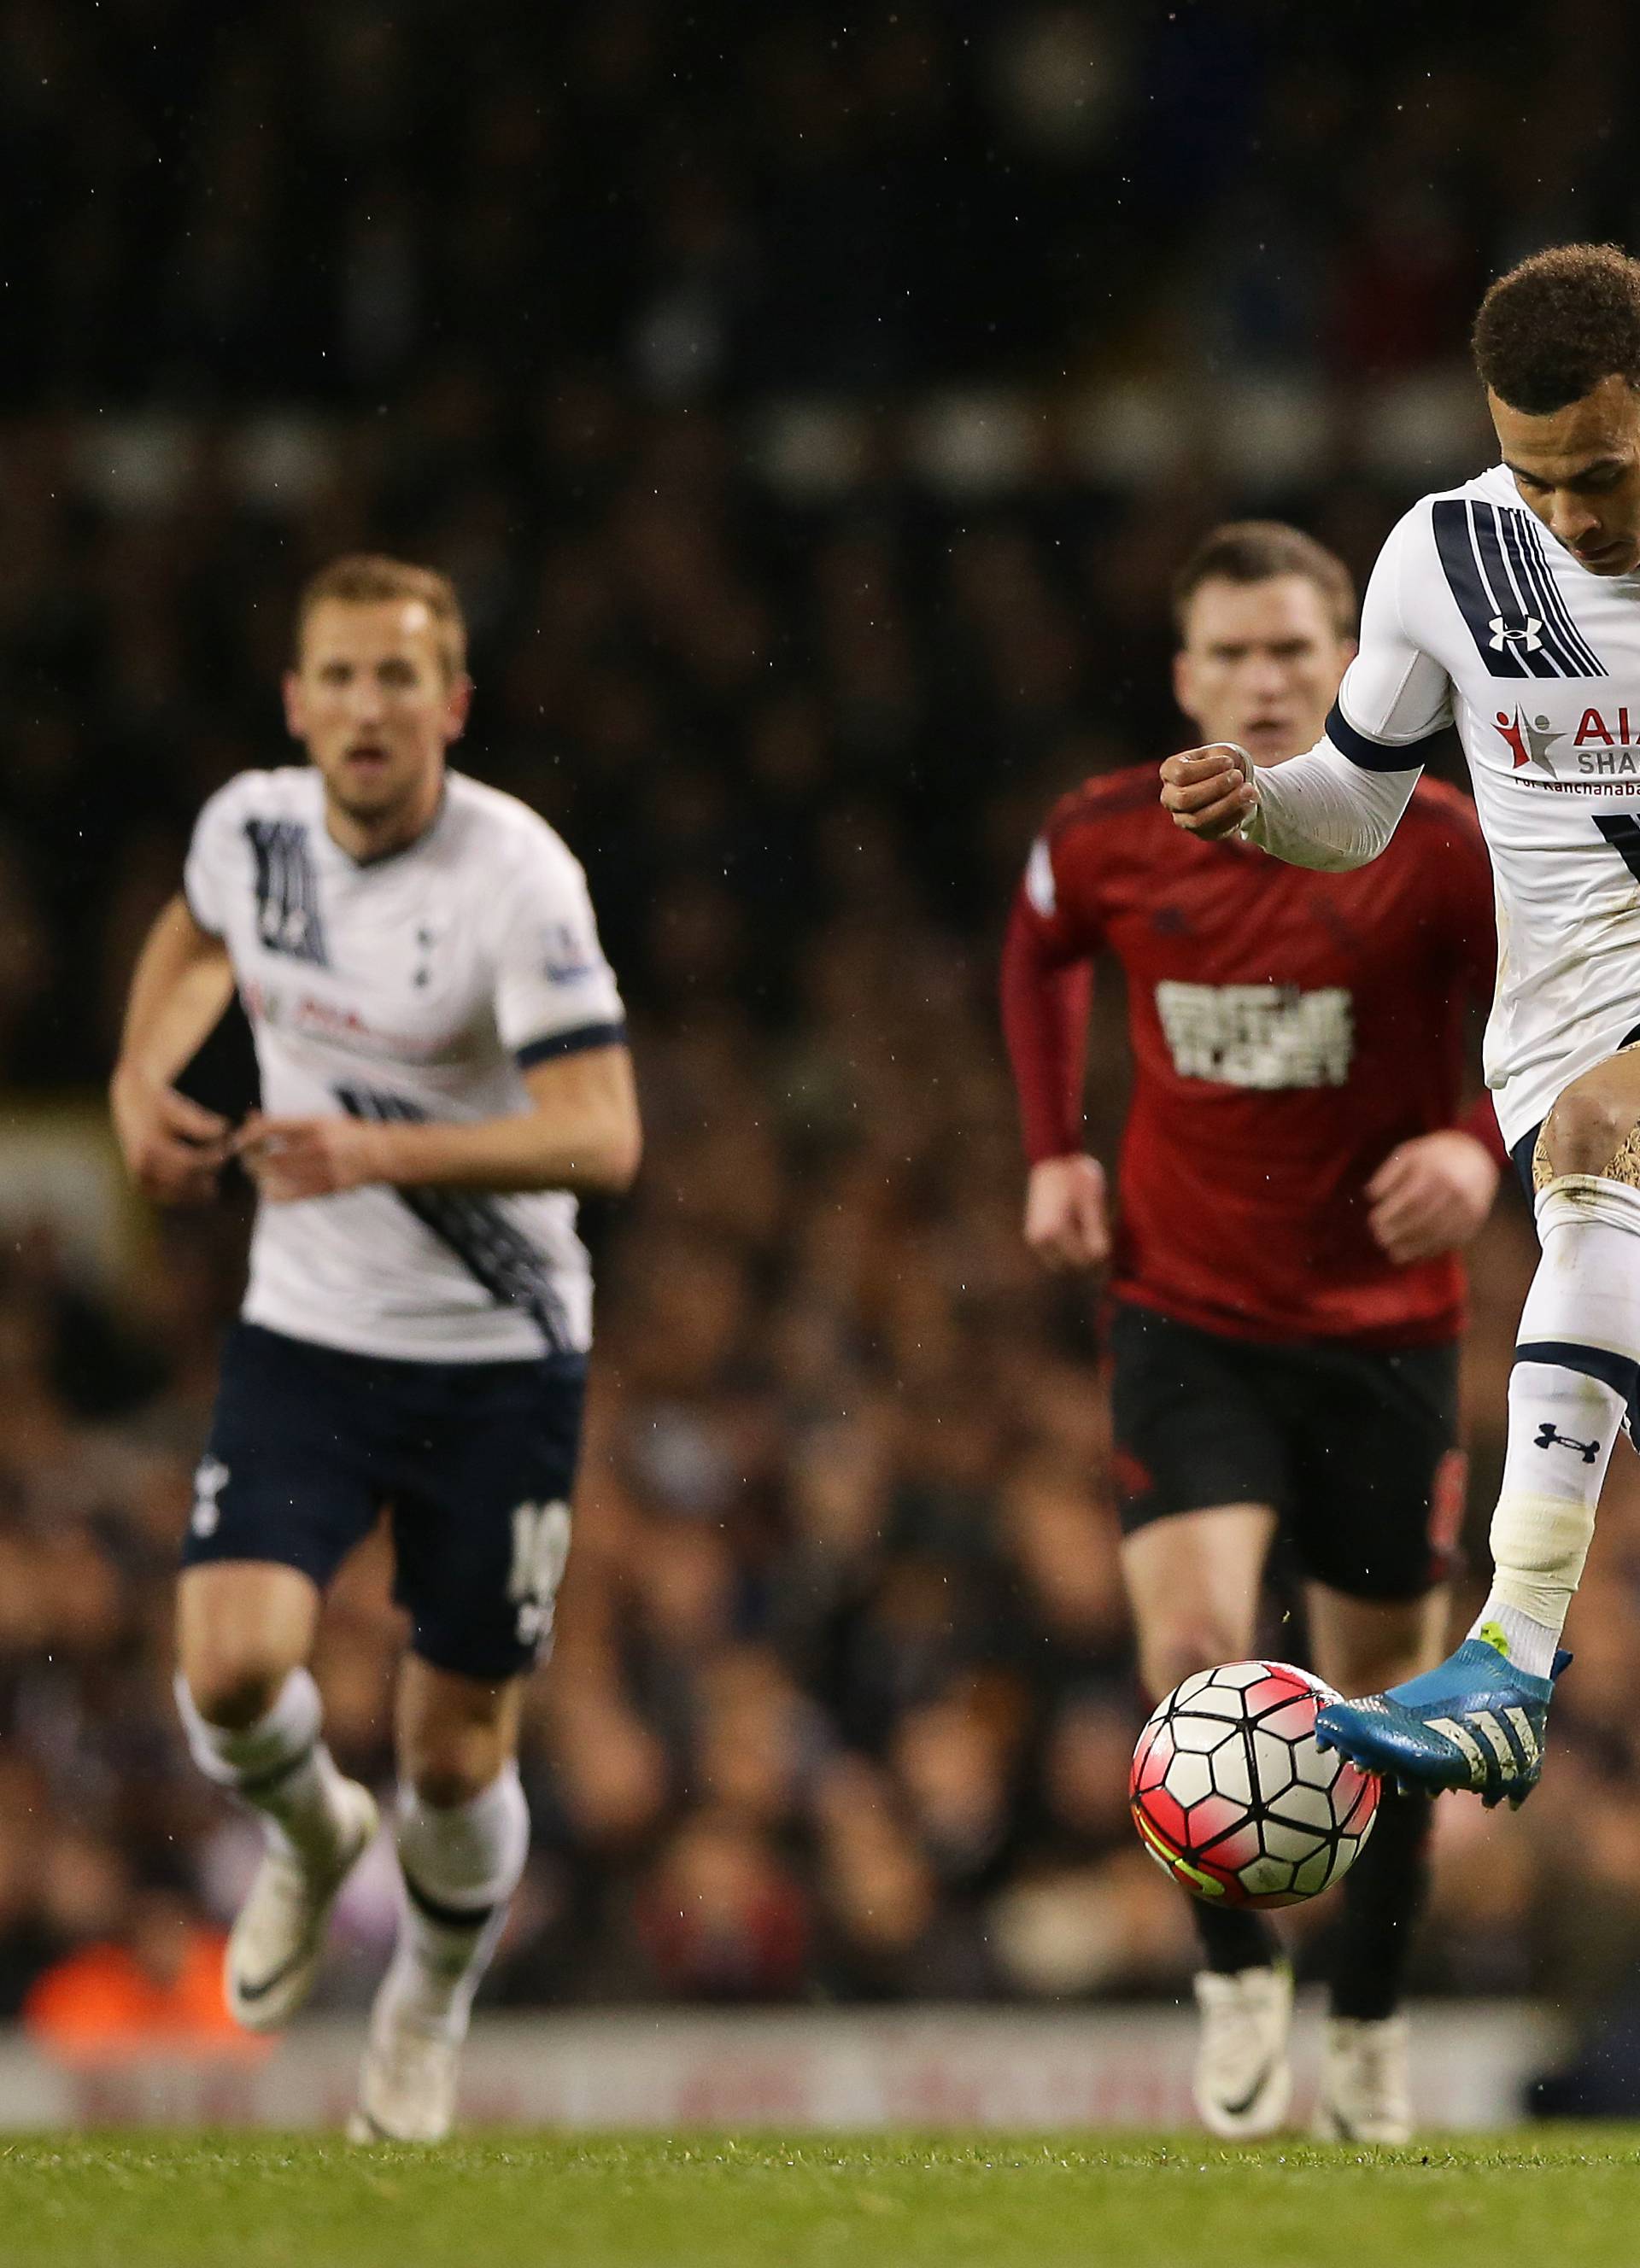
(1547, 1438)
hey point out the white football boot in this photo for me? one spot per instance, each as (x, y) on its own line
(1243, 2081)
(407, 2081)
(278, 1939)
(1365, 2093)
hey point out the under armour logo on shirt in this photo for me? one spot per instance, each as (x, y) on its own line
(1528, 633)
(1547, 1438)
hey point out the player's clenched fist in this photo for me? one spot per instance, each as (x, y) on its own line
(173, 1148)
(293, 1158)
(1066, 1225)
(1209, 791)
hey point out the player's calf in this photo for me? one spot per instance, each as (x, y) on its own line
(318, 1825)
(276, 1763)
(1244, 1996)
(461, 1864)
(1577, 1373)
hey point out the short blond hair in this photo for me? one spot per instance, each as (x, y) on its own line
(362, 578)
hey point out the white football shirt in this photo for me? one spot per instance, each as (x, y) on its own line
(1476, 615)
(418, 985)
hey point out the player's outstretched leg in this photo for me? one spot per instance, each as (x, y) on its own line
(461, 1864)
(1477, 1721)
(1192, 1579)
(318, 1825)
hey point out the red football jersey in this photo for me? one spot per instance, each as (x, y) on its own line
(1288, 1029)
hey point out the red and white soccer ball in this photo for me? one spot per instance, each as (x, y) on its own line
(1232, 1795)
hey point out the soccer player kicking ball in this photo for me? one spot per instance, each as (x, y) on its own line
(1294, 1182)
(443, 1066)
(1511, 606)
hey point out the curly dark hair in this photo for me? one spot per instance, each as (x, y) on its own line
(1252, 551)
(1551, 329)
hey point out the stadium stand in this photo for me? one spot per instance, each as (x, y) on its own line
(815, 526)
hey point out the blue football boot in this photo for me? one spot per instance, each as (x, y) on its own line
(1475, 1721)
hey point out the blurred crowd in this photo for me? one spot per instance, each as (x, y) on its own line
(842, 1696)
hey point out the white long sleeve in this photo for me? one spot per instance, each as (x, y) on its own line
(1337, 806)
(1321, 810)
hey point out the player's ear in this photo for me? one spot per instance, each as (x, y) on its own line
(1184, 682)
(295, 709)
(458, 705)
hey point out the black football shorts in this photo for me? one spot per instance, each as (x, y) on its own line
(1522, 1155)
(474, 1463)
(1356, 1453)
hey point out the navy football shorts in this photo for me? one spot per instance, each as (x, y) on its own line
(473, 1462)
(1356, 1453)
(1523, 1153)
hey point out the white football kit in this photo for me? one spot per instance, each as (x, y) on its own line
(1476, 615)
(415, 986)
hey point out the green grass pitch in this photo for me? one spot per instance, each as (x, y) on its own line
(266, 2201)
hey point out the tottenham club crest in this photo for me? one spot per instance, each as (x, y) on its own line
(208, 1482)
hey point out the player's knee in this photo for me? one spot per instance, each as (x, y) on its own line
(1168, 1656)
(450, 1764)
(447, 1782)
(234, 1693)
(1587, 1128)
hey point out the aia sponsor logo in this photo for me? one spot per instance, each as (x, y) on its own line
(1528, 738)
(1604, 744)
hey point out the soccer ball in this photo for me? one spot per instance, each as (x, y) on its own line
(1232, 1795)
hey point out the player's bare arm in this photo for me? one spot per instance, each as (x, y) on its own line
(1431, 1194)
(174, 1148)
(582, 1133)
(1211, 792)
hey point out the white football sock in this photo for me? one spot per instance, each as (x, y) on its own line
(279, 1766)
(1576, 1367)
(461, 1864)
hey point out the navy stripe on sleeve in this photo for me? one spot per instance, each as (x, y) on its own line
(1527, 536)
(1455, 544)
(569, 1043)
(1373, 755)
(1512, 603)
